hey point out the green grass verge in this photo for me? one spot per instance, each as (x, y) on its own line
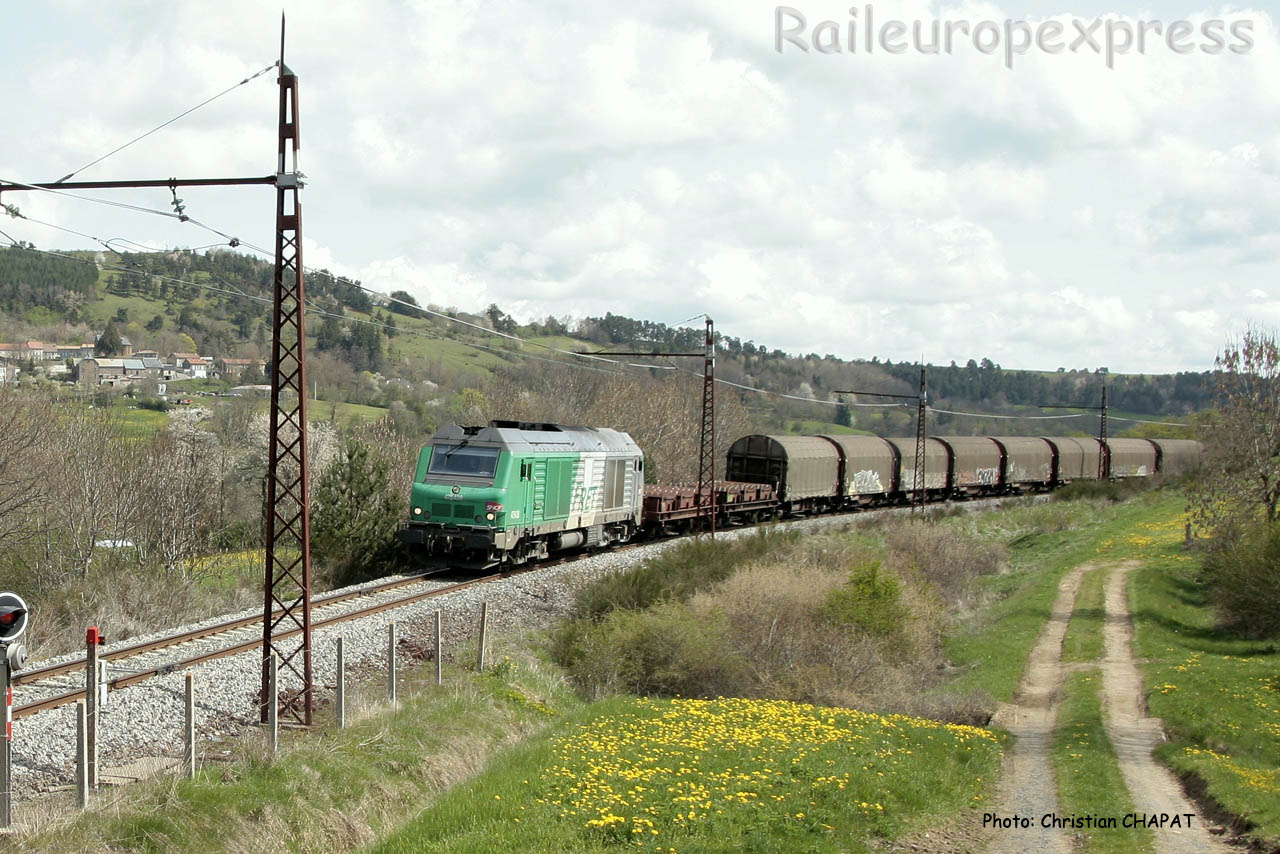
(1089, 779)
(334, 790)
(1218, 694)
(807, 427)
(138, 423)
(1044, 541)
(1084, 640)
(721, 775)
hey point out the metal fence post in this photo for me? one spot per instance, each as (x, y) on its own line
(439, 649)
(91, 674)
(391, 662)
(273, 703)
(6, 753)
(189, 730)
(341, 699)
(82, 757)
(484, 635)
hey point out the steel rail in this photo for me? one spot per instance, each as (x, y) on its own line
(27, 709)
(28, 676)
(142, 675)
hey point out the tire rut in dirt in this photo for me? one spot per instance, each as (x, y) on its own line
(1027, 784)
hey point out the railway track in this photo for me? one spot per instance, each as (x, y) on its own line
(62, 683)
(224, 657)
(242, 634)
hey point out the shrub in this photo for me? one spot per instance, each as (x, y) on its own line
(1112, 490)
(677, 573)
(356, 515)
(947, 559)
(868, 601)
(1242, 575)
(666, 650)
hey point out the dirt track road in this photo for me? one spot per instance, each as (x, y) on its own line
(1134, 736)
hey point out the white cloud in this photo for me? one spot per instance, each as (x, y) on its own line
(656, 161)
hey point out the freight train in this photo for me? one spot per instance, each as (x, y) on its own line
(511, 492)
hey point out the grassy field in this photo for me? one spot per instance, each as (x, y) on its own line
(1044, 541)
(512, 760)
(802, 427)
(721, 775)
(1089, 780)
(329, 789)
(1084, 639)
(140, 423)
(1218, 694)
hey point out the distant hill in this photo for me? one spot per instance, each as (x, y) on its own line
(219, 303)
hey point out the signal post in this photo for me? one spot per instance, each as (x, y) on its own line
(13, 654)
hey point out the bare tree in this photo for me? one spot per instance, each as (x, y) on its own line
(24, 427)
(92, 473)
(1241, 471)
(178, 498)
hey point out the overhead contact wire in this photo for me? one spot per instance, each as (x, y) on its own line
(166, 124)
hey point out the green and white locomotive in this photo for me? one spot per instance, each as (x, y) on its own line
(512, 491)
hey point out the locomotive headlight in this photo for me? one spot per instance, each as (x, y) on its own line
(491, 516)
(417, 511)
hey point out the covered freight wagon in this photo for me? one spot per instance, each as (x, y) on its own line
(799, 467)
(937, 463)
(869, 466)
(1028, 460)
(1077, 458)
(1177, 456)
(976, 463)
(1131, 458)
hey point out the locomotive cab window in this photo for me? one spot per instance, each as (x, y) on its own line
(463, 461)
(525, 470)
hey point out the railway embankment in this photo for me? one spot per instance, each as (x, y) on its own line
(522, 758)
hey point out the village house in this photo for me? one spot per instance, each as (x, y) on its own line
(75, 352)
(233, 369)
(33, 350)
(197, 367)
(111, 372)
(192, 364)
(8, 372)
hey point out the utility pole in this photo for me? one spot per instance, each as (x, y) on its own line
(287, 576)
(1104, 450)
(921, 484)
(918, 482)
(706, 498)
(707, 445)
(287, 584)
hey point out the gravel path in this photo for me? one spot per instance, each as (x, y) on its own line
(1027, 787)
(1134, 735)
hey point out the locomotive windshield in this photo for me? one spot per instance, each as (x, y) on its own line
(465, 461)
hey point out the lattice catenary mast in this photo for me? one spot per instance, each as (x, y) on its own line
(706, 497)
(288, 561)
(918, 481)
(287, 584)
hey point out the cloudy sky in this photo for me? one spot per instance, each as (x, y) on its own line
(664, 159)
